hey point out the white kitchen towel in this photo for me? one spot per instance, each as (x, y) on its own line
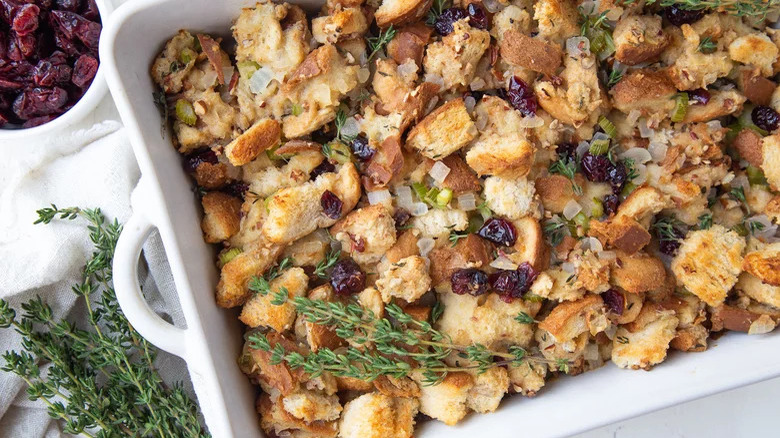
(92, 167)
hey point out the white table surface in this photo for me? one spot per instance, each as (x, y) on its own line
(750, 411)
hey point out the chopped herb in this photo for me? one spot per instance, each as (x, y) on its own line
(562, 365)
(341, 118)
(667, 228)
(705, 221)
(437, 311)
(455, 237)
(568, 169)
(631, 172)
(622, 340)
(707, 45)
(614, 77)
(738, 193)
(555, 231)
(330, 259)
(524, 318)
(378, 42)
(337, 151)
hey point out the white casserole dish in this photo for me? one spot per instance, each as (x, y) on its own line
(212, 340)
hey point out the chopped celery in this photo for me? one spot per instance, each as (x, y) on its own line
(185, 112)
(680, 107)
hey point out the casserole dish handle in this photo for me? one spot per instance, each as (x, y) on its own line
(128, 289)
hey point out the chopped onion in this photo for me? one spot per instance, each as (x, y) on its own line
(404, 196)
(641, 174)
(477, 84)
(607, 255)
(644, 130)
(481, 123)
(260, 80)
(419, 209)
(583, 147)
(209, 77)
(469, 101)
(378, 196)
(633, 116)
(431, 104)
(363, 75)
(591, 353)
(611, 331)
(467, 202)
(434, 79)
(228, 72)
(657, 151)
(578, 46)
(493, 6)
(571, 209)
(350, 128)
(568, 267)
(407, 68)
(592, 244)
(741, 181)
(439, 172)
(639, 155)
(533, 121)
(503, 263)
(714, 125)
(425, 245)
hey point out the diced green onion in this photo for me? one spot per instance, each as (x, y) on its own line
(756, 176)
(247, 68)
(580, 220)
(340, 152)
(608, 127)
(430, 197)
(187, 55)
(228, 255)
(598, 208)
(601, 43)
(185, 112)
(599, 147)
(680, 107)
(297, 109)
(444, 197)
(746, 120)
(533, 298)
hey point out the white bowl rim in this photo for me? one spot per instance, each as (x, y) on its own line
(91, 98)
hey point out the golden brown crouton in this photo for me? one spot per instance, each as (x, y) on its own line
(406, 279)
(721, 103)
(623, 233)
(488, 390)
(770, 163)
(311, 406)
(755, 49)
(171, 80)
(438, 223)
(471, 251)
(232, 289)
(638, 272)
(274, 419)
(405, 246)
(366, 233)
(756, 289)
(530, 246)
(558, 19)
(691, 334)
(764, 264)
(748, 144)
(755, 87)
(532, 53)
(376, 415)
(446, 401)
(340, 25)
(732, 318)
(397, 12)
(461, 178)
(708, 263)
(647, 91)
(510, 198)
(455, 57)
(642, 204)
(555, 191)
(443, 131)
(259, 311)
(639, 39)
(409, 43)
(221, 216)
(646, 344)
(263, 135)
(526, 378)
(403, 387)
(692, 68)
(572, 318)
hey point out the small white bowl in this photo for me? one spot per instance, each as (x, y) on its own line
(95, 93)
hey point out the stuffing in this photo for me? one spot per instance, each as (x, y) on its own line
(232, 289)
(340, 25)
(446, 401)
(275, 420)
(443, 131)
(527, 378)
(215, 120)
(392, 387)
(310, 406)
(490, 320)
(512, 199)
(534, 54)
(642, 204)
(756, 50)
(648, 91)
(406, 279)
(512, 17)
(623, 233)
(691, 334)
(469, 252)
(708, 263)
(460, 178)
(748, 144)
(753, 287)
(168, 70)
(405, 246)
(530, 246)
(437, 223)
(570, 319)
(555, 191)
(221, 216)
(756, 88)
(296, 211)
(733, 318)
(592, 272)
(637, 273)
(764, 264)
(455, 57)
(371, 299)
(317, 86)
(558, 19)
(397, 12)
(770, 160)
(409, 43)
(259, 311)
(639, 39)
(556, 284)
(263, 135)
(391, 86)
(266, 179)
(366, 234)
(308, 250)
(488, 390)
(318, 336)
(721, 103)
(375, 415)
(693, 69)
(642, 345)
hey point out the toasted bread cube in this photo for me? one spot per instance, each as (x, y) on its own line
(758, 290)
(405, 246)
(221, 216)
(409, 43)
(494, 154)
(461, 178)
(530, 246)
(532, 53)
(340, 25)
(764, 264)
(397, 12)
(708, 263)
(527, 378)
(748, 144)
(572, 318)
(311, 406)
(275, 420)
(558, 19)
(438, 223)
(647, 344)
(443, 131)
(232, 289)
(647, 91)
(770, 162)
(366, 233)
(732, 318)
(510, 198)
(642, 204)
(639, 38)
(446, 401)
(721, 103)
(756, 88)
(623, 233)
(755, 49)
(163, 75)
(406, 279)
(455, 57)
(259, 311)
(376, 415)
(263, 135)
(469, 252)
(638, 272)
(488, 390)
(555, 191)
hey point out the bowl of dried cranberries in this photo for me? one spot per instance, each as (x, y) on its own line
(50, 75)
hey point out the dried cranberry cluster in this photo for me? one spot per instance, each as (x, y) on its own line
(48, 58)
(477, 18)
(509, 284)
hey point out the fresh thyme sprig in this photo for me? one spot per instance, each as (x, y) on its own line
(455, 236)
(262, 284)
(555, 231)
(741, 8)
(705, 221)
(100, 381)
(707, 45)
(738, 194)
(341, 118)
(321, 270)
(397, 349)
(378, 42)
(668, 228)
(567, 168)
(614, 77)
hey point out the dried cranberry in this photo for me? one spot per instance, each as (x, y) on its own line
(325, 167)
(444, 23)
(37, 121)
(91, 11)
(617, 175)
(611, 203)
(669, 241)
(678, 16)
(20, 71)
(68, 5)
(361, 149)
(401, 217)
(615, 301)
(470, 281)
(477, 16)
(566, 151)
(520, 96)
(195, 159)
(26, 19)
(20, 47)
(66, 44)
(499, 231)
(39, 102)
(3, 45)
(699, 96)
(347, 278)
(52, 70)
(236, 188)
(74, 26)
(765, 118)
(331, 204)
(84, 70)
(513, 284)
(595, 167)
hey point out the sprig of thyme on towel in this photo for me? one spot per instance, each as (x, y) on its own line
(741, 8)
(100, 380)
